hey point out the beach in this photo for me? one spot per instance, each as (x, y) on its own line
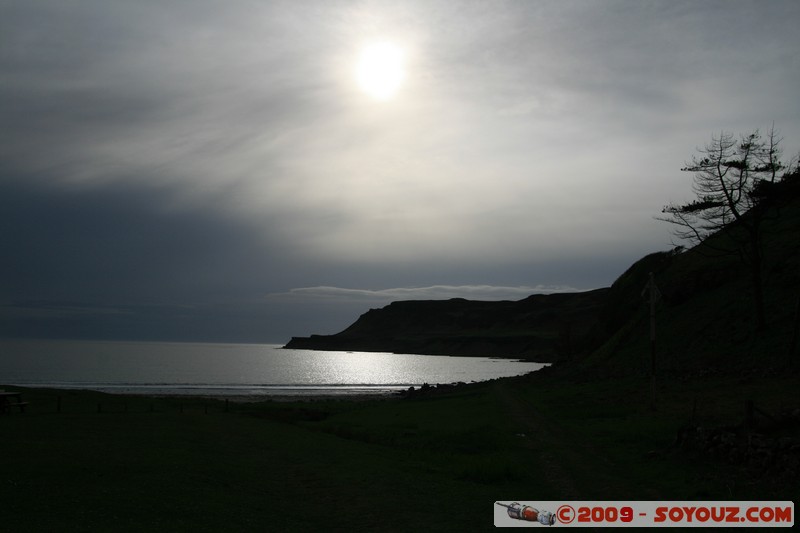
(84, 460)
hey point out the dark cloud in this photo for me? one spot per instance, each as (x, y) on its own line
(113, 262)
(117, 243)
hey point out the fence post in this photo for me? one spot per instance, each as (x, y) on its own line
(652, 295)
(795, 332)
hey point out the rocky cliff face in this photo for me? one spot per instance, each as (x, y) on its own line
(541, 327)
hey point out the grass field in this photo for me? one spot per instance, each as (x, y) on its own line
(97, 462)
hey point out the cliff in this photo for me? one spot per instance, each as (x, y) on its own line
(542, 327)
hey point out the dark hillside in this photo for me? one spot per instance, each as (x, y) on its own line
(705, 318)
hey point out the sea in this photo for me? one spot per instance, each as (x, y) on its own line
(228, 370)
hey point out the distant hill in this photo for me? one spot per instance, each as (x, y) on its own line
(704, 318)
(542, 327)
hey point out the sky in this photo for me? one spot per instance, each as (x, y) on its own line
(221, 171)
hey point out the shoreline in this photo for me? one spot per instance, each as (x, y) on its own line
(302, 394)
(281, 392)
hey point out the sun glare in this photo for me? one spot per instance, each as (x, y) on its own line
(381, 70)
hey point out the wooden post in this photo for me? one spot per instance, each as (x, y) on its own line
(795, 332)
(653, 294)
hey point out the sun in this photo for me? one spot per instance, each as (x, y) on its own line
(381, 70)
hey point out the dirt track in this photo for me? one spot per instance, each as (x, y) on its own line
(544, 435)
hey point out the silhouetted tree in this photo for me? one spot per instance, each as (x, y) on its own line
(732, 182)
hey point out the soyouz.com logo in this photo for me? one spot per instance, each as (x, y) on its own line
(518, 511)
(645, 514)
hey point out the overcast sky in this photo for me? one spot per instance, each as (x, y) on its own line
(190, 169)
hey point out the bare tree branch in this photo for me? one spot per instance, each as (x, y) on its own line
(733, 185)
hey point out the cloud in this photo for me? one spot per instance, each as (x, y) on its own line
(177, 152)
(434, 292)
(255, 113)
(117, 244)
(518, 128)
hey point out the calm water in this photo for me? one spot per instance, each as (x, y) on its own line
(233, 369)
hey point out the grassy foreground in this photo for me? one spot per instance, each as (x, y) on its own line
(438, 461)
